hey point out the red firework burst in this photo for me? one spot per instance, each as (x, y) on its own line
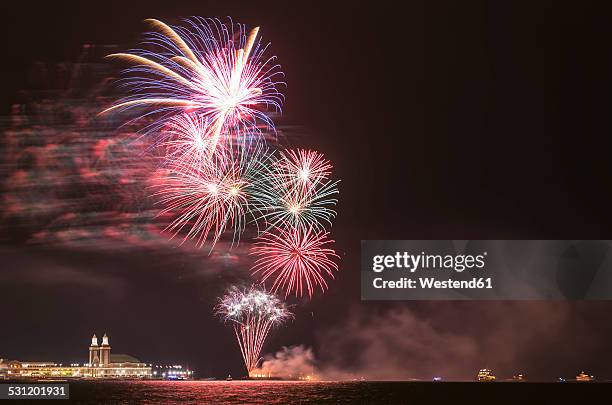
(297, 259)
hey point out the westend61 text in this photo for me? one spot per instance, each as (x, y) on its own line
(432, 283)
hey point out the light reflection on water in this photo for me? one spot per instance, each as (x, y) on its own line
(308, 392)
(232, 392)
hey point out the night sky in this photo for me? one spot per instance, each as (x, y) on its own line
(465, 120)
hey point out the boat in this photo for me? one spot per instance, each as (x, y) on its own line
(485, 375)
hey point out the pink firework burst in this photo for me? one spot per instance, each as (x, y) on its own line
(303, 169)
(209, 199)
(297, 260)
(189, 143)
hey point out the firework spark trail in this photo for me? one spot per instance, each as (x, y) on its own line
(253, 312)
(207, 67)
(297, 259)
(251, 336)
(296, 192)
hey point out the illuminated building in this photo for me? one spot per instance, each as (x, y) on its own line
(3, 369)
(485, 375)
(102, 364)
(105, 350)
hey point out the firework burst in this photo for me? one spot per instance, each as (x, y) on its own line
(206, 89)
(206, 67)
(303, 169)
(188, 143)
(296, 260)
(207, 200)
(296, 192)
(253, 312)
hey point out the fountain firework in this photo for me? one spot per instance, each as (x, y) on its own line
(253, 312)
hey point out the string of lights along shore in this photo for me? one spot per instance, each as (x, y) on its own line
(204, 93)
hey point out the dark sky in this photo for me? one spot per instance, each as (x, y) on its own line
(467, 120)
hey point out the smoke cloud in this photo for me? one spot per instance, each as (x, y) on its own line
(389, 347)
(452, 340)
(290, 362)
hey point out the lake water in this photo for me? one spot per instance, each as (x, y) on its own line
(293, 392)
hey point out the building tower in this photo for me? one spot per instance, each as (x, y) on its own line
(93, 351)
(105, 351)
